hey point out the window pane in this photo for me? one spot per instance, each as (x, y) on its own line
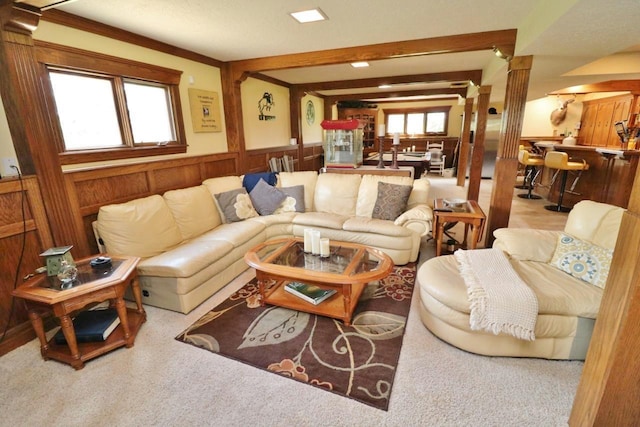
(396, 123)
(149, 112)
(415, 123)
(435, 122)
(86, 110)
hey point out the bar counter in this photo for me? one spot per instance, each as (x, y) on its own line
(609, 178)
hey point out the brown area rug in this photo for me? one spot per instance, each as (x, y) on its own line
(357, 361)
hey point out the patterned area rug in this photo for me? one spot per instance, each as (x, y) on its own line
(357, 361)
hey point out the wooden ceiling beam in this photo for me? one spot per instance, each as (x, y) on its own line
(632, 86)
(504, 39)
(452, 76)
(462, 92)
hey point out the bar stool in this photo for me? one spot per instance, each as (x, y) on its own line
(522, 171)
(560, 160)
(532, 167)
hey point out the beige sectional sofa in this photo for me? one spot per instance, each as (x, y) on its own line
(190, 250)
(567, 305)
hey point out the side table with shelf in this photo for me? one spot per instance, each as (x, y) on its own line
(43, 294)
(470, 214)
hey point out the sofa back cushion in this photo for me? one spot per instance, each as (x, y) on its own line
(368, 191)
(337, 193)
(306, 178)
(193, 209)
(598, 223)
(142, 227)
(420, 193)
(222, 185)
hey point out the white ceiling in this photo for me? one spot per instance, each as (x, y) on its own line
(565, 37)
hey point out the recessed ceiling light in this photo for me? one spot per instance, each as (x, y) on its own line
(311, 15)
(360, 64)
(384, 87)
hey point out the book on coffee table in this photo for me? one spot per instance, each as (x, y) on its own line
(92, 325)
(310, 293)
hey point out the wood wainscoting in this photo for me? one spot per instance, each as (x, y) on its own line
(312, 157)
(24, 232)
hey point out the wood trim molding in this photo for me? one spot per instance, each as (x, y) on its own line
(477, 155)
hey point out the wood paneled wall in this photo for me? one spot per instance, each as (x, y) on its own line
(22, 239)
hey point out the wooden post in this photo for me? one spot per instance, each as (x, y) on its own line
(463, 154)
(506, 169)
(477, 157)
(233, 114)
(31, 129)
(295, 112)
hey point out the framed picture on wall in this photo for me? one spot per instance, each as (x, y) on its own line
(205, 110)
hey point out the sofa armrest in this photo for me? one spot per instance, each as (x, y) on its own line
(525, 244)
(418, 218)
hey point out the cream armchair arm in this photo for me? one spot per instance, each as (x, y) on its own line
(418, 219)
(526, 244)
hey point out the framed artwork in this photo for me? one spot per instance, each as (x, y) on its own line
(205, 110)
(310, 112)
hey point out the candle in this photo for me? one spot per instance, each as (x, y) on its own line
(413, 148)
(293, 141)
(396, 138)
(315, 242)
(307, 239)
(325, 250)
(381, 130)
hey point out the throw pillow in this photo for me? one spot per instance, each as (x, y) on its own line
(392, 201)
(250, 180)
(294, 201)
(583, 260)
(265, 198)
(236, 205)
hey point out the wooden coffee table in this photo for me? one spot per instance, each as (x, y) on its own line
(347, 270)
(44, 294)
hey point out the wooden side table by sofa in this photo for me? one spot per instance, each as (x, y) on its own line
(469, 213)
(43, 294)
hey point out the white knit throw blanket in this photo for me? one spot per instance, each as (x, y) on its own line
(500, 300)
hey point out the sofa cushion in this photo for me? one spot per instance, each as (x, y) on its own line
(361, 224)
(193, 209)
(235, 205)
(517, 242)
(420, 193)
(294, 201)
(222, 184)
(265, 198)
(583, 260)
(143, 227)
(306, 178)
(337, 193)
(582, 223)
(391, 201)
(320, 219)
(368, 191)
(250, 180)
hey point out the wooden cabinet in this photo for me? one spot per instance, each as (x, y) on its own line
(598, 119)
(368, 116)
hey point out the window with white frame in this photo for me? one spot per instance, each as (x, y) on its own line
(417, 122)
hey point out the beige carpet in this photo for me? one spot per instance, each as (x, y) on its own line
(161, 381)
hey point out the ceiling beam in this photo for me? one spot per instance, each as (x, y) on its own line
(452, 76)
(462, 92)
(504, 39)
(632, 86)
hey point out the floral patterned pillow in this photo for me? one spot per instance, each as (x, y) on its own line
(583, 260)
(236, 205)
(294, 201)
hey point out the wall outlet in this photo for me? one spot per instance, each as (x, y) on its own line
(7, 169)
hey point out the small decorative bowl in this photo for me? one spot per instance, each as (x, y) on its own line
(454, 203)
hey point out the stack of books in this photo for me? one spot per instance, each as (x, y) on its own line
(92, 326)
(310, 293)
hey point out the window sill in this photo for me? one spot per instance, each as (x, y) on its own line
(73, 157)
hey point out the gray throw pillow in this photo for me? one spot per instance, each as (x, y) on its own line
(294, 201)
(236, 205)
(265, 198)
(392, 201)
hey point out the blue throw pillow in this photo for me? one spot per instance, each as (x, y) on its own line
(251, 179)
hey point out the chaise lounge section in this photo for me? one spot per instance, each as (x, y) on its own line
(192, 241)
(568, 304)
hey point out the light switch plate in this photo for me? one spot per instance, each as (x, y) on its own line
(7, 163)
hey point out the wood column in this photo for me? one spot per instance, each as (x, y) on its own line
(32, 132)
(507, 158)
(232, 102)
(609, 389)
(463, 154)
(295, 114)
(477, 156)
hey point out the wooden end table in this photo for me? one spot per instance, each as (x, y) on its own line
(347, 270)
(469, 213)
(44, 294)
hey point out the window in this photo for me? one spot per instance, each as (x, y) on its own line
(111, 108)
(418, 122)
